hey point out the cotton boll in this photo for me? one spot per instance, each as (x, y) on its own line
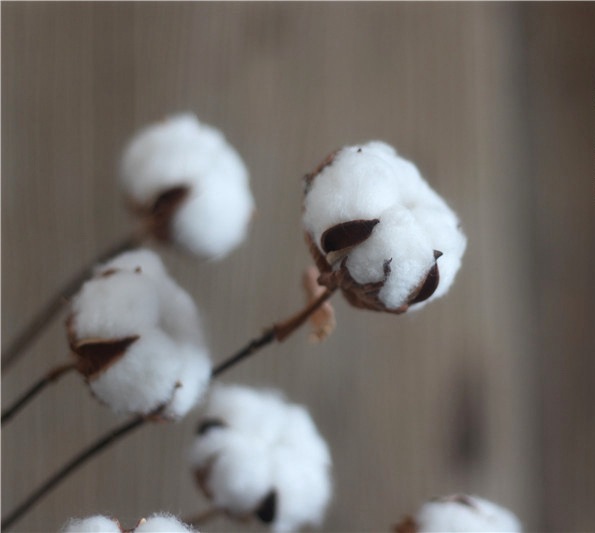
(189, 185)
(144, 379)
(93, 524)
(137, 338)
(215, 218)
(179, 314)
(240, 476)
(465, 514)
(115, 306)
(142, 260)
(378, 231)
(257, 454)
(194, 373)
(163, 523)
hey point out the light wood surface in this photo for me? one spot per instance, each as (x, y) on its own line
(489, 390)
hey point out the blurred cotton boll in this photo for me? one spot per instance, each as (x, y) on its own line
(189, 186)
(378, 231)
(256, 454)
(460, 513)
(157, 523)
(92, 524)
(137, 338)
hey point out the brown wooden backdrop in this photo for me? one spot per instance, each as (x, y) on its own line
(490, 390)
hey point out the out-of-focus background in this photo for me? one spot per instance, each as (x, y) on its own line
(490, 390)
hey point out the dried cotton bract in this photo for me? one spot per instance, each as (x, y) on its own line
(189, 185)
(257, 454)
(460, 514)
(378, 231)
(157, 523)
(137, 339)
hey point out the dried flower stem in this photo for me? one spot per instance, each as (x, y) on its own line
(38, 323)
(50, 377)
(71, 466)
(279, 332)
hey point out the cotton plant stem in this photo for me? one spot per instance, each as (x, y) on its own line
(50, 377)
(71, 466)
(40, 320)
(278, 332)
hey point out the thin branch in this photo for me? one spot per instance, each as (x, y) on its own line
(279, 332)
(38, 323)
(50, 377)
(80, 459)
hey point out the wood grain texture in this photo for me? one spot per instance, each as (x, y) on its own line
(413, 406)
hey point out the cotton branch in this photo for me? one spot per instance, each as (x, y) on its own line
(50, 377)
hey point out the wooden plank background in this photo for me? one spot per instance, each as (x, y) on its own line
(489, 390)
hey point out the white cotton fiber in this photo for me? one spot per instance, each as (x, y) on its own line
(116, 306)
(93, 524)
(163, 523)
(214, 216)
(164, 364)
(265, 446)
(410, 226)
(467, 514)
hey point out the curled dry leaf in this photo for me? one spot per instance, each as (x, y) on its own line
(323, 319)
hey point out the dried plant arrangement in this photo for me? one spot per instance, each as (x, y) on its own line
(377, 232)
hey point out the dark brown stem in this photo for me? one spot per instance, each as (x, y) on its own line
(38, 323)
(80, 459)
(50, 377)
(279, 332)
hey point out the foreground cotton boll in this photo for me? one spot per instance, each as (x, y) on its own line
(163, 523)
(461, 514)
(256, 454)
(93, 524)
(378, 231)
(137, 338)
(157, 523)
(189, 185)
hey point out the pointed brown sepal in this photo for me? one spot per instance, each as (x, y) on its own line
(163, 210)
(208, 424)
(268, 508)
(97, 355)
(427, 287)
(347, 234)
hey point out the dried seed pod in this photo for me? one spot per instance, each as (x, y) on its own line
(378, 232)
(257, 455)
(188, 185)
(460, 513)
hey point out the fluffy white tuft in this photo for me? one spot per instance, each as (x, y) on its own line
(266, 445)
(167, 366)
(467, 515)
(182, 152)
(93, 524)
(370, 182)
(163, 523)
